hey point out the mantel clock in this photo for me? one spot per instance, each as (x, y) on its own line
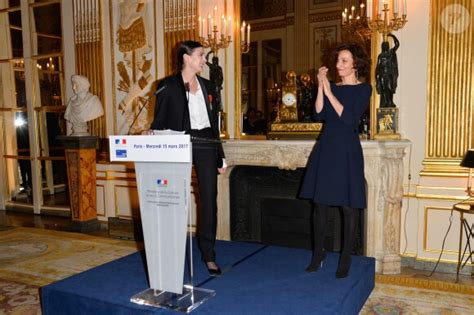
(289, 100)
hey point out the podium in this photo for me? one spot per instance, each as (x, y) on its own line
(163, 166)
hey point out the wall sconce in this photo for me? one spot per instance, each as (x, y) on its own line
(213, 41)
(245, 38)
(468, 161)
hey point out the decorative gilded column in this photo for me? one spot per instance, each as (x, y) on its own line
(180, 24)
(81, 170)
(450, 108)
(301, 35)
(89, 56)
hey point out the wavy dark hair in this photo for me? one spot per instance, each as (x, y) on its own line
(359, 55)
(186, 47)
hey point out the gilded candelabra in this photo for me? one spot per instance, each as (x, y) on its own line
(355, 23)
(386, 25)
(386, 21)
(213, 40)
(245, 38)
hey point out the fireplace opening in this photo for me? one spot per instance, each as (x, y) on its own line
(264, 208)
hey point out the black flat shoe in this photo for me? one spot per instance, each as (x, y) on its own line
(316, 263)
(343, 267)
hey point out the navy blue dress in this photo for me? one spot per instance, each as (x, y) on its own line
(335, 171)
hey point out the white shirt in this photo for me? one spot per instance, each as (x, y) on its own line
(198, 111)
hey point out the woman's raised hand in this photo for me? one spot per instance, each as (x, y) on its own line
(323, 81)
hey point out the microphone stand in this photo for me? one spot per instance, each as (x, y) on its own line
(147, 100)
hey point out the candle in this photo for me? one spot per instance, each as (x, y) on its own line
(214, 13)
(405, 7)
(395, 6)
(230, 29)
(343, 17)
(362, 12)
(223, 25)
(242, 33)
(248, 34)
(200, 26)
(203, 27)
(209, 24)
(352, 10)
(369, 9)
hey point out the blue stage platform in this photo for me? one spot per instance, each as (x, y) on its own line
(258, 279)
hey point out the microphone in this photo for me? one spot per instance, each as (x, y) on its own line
(161, 89)
(204, 140)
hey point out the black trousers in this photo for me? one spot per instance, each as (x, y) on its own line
(205, 165)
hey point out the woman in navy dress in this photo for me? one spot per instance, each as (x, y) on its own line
(334, 174)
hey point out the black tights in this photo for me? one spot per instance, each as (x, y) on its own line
(320, 215)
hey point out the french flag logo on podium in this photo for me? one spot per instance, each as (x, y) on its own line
(162, 182)
(121, 141)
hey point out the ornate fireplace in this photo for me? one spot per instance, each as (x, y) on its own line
(383, 174)
(264, 208)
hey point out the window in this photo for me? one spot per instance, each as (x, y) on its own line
(32, 104)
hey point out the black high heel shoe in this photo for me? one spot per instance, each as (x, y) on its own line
(214, 272)
(343, 267)
(316, 262)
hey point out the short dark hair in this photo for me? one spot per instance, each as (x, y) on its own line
(186, 47)
(359, 55)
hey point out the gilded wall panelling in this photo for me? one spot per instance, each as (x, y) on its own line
(180, 24)
(302, 37)
(450, 107)
(88, 50)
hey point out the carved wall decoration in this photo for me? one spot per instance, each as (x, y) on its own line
(133, 42)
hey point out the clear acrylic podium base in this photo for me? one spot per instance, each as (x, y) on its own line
(190, 299)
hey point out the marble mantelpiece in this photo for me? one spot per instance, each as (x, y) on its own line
(383, 174)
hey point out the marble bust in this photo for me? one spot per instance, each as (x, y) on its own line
(82, 107)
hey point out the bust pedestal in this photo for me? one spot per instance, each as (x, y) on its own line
(81, 170)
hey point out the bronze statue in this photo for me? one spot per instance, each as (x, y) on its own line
(307, 90)
(386, 72)
(216, 77)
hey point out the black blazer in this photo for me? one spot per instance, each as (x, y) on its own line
(172, 112)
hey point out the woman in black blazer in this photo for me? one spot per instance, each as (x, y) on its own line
(186, 102)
